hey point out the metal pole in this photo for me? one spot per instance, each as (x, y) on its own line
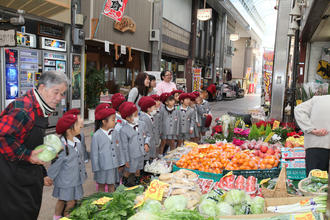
(294, 72)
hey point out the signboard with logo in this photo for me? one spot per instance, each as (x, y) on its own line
(76, 80)
(53, 44)
(115, 9)
(7, 38)
(197, 78)
(26, 40)
(204, 14)
(267, 72)
(126, 24)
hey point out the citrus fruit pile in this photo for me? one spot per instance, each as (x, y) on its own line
(214, 158)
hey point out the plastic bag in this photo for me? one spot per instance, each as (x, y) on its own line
(52, 146)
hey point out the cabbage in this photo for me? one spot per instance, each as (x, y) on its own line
(178, 202)
(242, 209)
(216, 195)
(144, 215)
(52, 145)
(224, 209)
(47, 154)
(53, 141)
(258, 205)
(208, 207)
(234, 197)
(152, 206)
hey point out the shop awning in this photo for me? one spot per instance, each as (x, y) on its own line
(43, 8)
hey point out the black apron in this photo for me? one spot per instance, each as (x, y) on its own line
(21, 183)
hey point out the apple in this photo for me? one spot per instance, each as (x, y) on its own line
(264, 149)
(270, 151)
(262, 155)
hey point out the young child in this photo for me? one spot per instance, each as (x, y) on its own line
(105, 149)
(176, 94)
(204, 113)
(68, 171)
(195, 135)
(157, 121)
(116, 100)
(135, 142)
(147, 113)
(186, 119)
(169, 117)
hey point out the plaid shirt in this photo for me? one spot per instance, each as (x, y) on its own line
(16, 121)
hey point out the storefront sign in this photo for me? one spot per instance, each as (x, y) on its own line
(7, 38)
(53, 44)
(204, 14)
(123, 49)
(115, 9)
(49, 30)
(126, 24)
(76, 77)
(267, 73)
(197, 77)
(26, 40)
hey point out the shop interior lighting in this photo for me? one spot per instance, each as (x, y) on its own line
(234, 37)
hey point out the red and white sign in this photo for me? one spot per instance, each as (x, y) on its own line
(204, 14)
(115, 9)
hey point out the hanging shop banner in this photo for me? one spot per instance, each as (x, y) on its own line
(267, 72)
(115, 9)
(76, 80)
(197, 77)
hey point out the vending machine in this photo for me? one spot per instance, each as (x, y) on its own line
(54, 58)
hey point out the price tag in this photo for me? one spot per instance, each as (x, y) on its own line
(228, 174)
(269, 136)
(155, 190)
(276, 125)
(320, 174)
(305, 216)
(304, 202)
(264, 181)
(299, 101)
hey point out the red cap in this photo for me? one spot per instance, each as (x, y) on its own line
(146, 102)
(176, 91)
(117, 99)
(196, 93)
(155, 97)
(127, 109)
(208, 121)
(165, 96)
(103, 111)
(192, 96)
(73, 111)
(184, 96)
(65, 123)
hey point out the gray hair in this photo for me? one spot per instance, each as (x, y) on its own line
(53, 77)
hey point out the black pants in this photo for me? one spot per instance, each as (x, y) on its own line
(20, 190)
(317, 158)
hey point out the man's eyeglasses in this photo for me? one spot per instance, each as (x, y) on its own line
(168, 74)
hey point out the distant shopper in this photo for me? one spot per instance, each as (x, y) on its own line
(313, 119)
(152, 87)
(166, 85)
(211, 90)
(142, 83)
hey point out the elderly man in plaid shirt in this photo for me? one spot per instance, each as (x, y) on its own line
(22, 128)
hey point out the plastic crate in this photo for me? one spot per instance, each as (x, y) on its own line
(201, 174)
(296, 173)
(259, 174)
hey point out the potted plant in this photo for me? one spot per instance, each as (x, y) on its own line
(95, 84)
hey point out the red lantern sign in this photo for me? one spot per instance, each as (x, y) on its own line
(115, 9)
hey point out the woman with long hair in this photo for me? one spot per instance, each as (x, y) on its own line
(152, 86)
(142, 84)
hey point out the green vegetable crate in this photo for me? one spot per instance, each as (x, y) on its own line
(201, 174)
(259, 174)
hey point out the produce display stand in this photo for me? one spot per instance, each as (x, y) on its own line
(201, 174)
(259, 174)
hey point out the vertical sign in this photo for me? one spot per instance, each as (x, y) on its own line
(197, 76)
(267, 72)
(76, 80)
(115, 9)
(11, 56)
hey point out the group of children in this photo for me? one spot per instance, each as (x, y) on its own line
(123, 140)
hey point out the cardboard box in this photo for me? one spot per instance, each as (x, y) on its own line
(293, 153)
(297, 163)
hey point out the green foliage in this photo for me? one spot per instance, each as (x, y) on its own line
(261, 130)
(268, 130)
(282, 132)
(95, 84)
(254, 133)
